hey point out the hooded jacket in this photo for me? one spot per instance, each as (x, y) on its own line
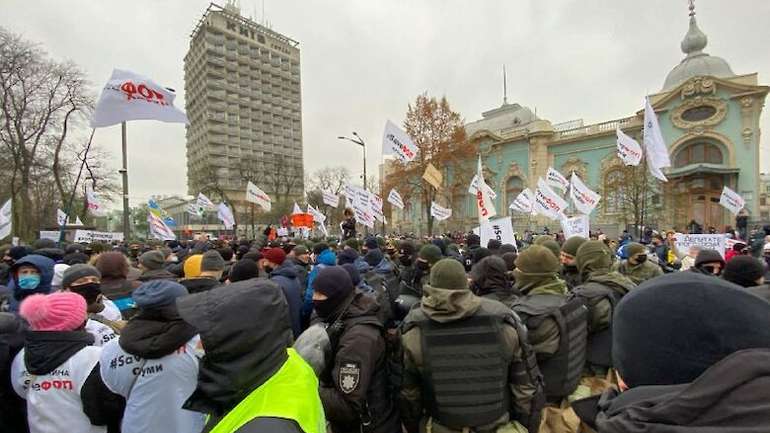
(165, 350)
(326, 258)
(490, 280)
(12, 407)
(286, 277)
(731, 396)
(44, 265)
(58, 374)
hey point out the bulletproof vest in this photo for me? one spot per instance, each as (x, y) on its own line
(599, 349)
(466, 370)
(562, 370)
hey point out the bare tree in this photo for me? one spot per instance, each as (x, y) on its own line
(332, 179)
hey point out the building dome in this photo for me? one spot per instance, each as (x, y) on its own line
(505, 117)
(696, 63)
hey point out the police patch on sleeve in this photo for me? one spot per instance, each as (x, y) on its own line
(350, 376)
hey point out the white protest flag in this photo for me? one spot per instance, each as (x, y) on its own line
(395, 199)
(130, 96)
(439, 212)
(523, 202)
(731, 200)
(350, 195)
(500, 229)
(475, 187)
(158, 228)
(629, 151)
(360, 202)
(330, 199)
(375, 204)
(547, 202)
(585, 200)
(484, 203)
(77, 221)
(257, 196)
(204, 203)
(296, 209)
(554, 178)
(94, 203)
(657, 152)
(6, 219)
(194, 210)
(397, 142)
(317, 215)
(61, 217)
(225, 214)
(575, 226)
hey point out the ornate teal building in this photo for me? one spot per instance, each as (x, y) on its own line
(709, 116)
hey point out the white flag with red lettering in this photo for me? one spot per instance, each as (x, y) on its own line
(629, 151)
(130, 96)
(547, 202)
(554, 178)
(732, 200)
(585, 200)
(484, 202)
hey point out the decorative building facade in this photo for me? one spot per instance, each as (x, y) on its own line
(710, 119)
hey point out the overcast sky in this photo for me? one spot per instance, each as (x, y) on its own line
(363, 61)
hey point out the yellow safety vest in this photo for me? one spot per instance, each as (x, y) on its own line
(291, 393)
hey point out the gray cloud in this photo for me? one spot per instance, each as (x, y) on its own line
(364, 61)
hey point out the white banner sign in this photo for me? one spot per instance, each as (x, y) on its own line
(330, 199)
(585, 200)
(282, 231)
(204, 203)
(397, 142)
(375, 204)
(576, 226)
(6, 219)
(130, 96)
(500, 229)
(317, 215)
(61, 217)
(474, 187)
(716, 242)
(88, 236)
(439, 212)
(50, 234)
(547, 202)
(523, 202)
(629, 151)
(731, 200)
(657, 152)
(225, 214)
(95, 205)
(258, 197)
(556, 179)
(395, 199)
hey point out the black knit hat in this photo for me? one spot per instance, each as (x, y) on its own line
(708, 256)
(348, 255)
(243, 269)
(691, 321)
(494, 244)
(335, 283)
(373, 257)
(743, 271)
(371, 243)
(472, 239)
(355, 276)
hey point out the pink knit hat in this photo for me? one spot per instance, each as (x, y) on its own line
(59, 311)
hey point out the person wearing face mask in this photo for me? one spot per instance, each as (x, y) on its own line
(274, 263)
(322, 257)
(104, 319)
(708, 262)
(30, 274)
(355, 389)
(411, 290)
(405, 260)
(745, 271)
(569, 270)
(636, 267)
(299, 256)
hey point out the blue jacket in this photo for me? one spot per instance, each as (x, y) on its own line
(326, 258)
(44, 265)
(286, 277)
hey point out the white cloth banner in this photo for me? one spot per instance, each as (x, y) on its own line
(716, 242)
(585, 200)
(88, 236)
(523, 202)
(350, 195)
(257, 196)
(194, 210)
(657, 152)
(225, 214)
(629, 151)
(484, 204)
(158, 228)
(95, 206)
(361, 205)
(439, 212)
(130, 96)
(576, 226)
(396, 142)
(282, 231)
(395, 199)
(474, 187)
(50, 234)
(547, 202)
(330, 199)
(556, 179)
(317, 215)
(375, 204)
(61, 217)
(204, 203)
(731, 200)
(500, 229)
(6, 219)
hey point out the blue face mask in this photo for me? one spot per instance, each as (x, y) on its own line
(29, 282)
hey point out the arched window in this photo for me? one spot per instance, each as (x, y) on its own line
(697, 153)
(513, 188)
(613, 191)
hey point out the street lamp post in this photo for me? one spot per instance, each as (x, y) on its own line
(360, 142)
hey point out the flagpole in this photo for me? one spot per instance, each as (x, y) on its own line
(124, 173)
(68, 206)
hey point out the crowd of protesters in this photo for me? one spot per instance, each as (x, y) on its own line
(387, 334)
